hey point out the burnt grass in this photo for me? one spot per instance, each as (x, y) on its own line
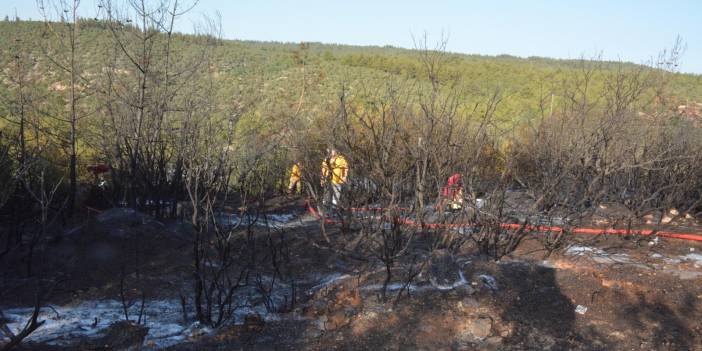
(629, 306)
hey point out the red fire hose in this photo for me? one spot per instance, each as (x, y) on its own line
(541, 229)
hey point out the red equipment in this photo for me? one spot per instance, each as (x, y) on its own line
(454, 185)
(99, 168)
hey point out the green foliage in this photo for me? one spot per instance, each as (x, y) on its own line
(288, 85)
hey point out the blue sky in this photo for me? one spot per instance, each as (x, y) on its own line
(618, 29)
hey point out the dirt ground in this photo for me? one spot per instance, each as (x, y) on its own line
(629, 306)
(597, 293)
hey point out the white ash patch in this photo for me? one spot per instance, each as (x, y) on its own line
(65, 324)
(598, 255)
(276, 221)
(695, 258)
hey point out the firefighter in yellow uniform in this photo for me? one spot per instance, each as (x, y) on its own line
(295, 179)
(339, 173)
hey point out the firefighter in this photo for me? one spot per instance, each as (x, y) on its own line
(453, 192)
(295, 185)
(334, 168)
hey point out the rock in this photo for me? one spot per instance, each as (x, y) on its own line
(444, 272)
(489, 281)
(601, 222)
(471, 330)
(124, 336)
(650, 218)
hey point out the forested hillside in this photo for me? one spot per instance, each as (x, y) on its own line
(277, 80)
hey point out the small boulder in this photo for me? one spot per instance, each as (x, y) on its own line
(489, 282)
